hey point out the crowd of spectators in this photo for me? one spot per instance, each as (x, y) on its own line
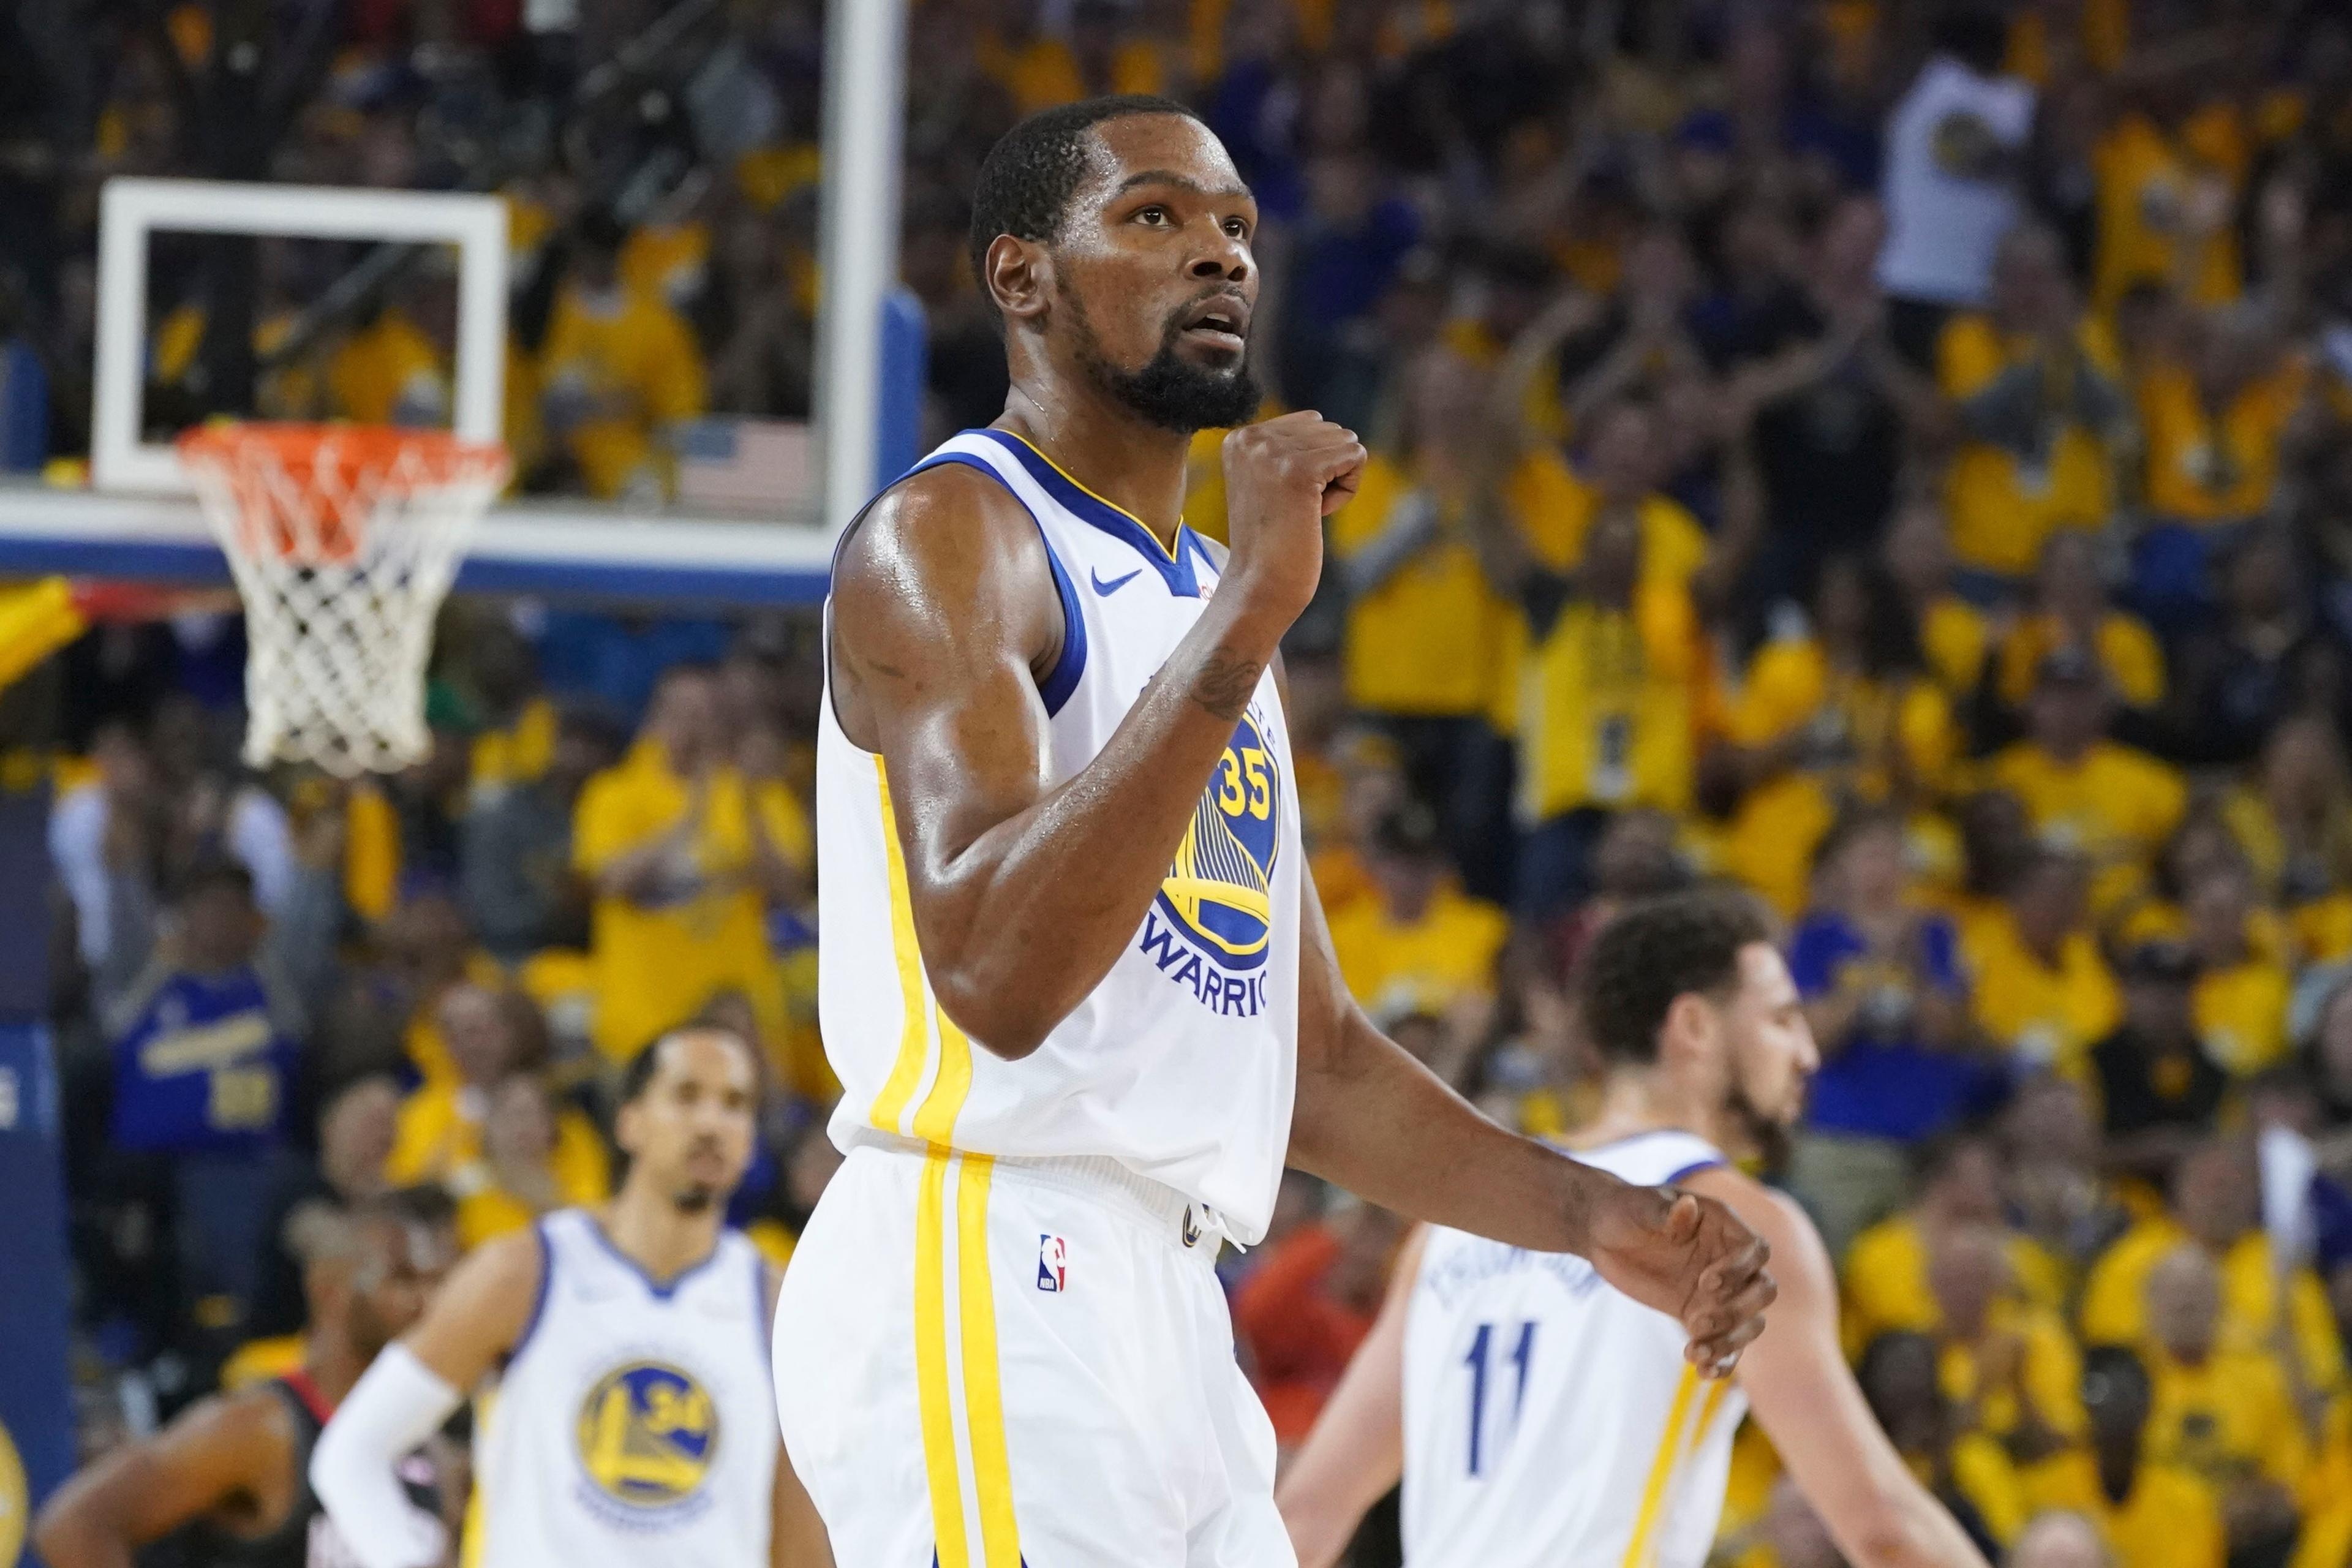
(1890, 456)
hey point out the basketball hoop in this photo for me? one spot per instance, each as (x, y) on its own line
(343, 540)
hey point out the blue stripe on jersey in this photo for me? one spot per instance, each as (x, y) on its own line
(1712, 1162)
(539, 1299)
(1176, 571)
(1063, 679)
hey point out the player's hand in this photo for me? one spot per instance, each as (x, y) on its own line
(1282, 478)
(1691, 1259)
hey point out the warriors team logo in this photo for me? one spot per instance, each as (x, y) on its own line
(1210, 926)
(648, 1435)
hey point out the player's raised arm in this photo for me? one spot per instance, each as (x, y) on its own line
(1374, 1121)
(1804, 1395)
(415, 1386)
(943, 612)
(217, 1453)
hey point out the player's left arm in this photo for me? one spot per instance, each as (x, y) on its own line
(1374, 1121)
(1356, 1452)
(796, 1537)
(217, 1450)
(1807, 1401)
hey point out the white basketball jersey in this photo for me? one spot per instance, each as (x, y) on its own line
(634, 1424)
(1549, 1419)
(1181, 1064)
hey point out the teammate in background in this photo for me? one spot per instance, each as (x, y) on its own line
(1073, 971)
(231, 1474)
(1537, 1419)
(633, 1423)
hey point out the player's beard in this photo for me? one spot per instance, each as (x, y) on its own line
(694, 1198)
(1766, 1136)
(1169, 390)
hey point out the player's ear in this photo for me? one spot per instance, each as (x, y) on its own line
(1688, 1037)
(1019, 276)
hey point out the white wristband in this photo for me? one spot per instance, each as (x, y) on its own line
(388, 1415)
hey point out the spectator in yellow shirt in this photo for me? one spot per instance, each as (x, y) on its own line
(1846, 711)
(2113, 804)
(618, 371)
(2036, 391)
(2226, 1415)
(1423, 647)
(2042, 991)
(524, 1168)
(1420, 946)
(2167, 182)
(1953, 634)
(2150, 1514)
(491, 1035)
(2241, 991)
(685, 854)
(1886, 1272)
(2216, 1203)
(1607, 683)
(2010, 1368)
(2071, 611)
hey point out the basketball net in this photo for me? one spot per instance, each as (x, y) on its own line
(343, 540)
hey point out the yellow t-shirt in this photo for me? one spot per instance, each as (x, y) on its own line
(2052, 1374)
(624, 368)
(517, 753)
(389, 373)
(2126, 650)
(1885, 1281)
(667, 260)
(2113, 1309)
(2230, 1418)
(1419, 966)
(1427, 640)
(438, 1133)
(2204, 468)
(1954, 636)
(2044, 1013)
(658, 965)
(2241, 1014)
(2170, 1518)
(1866, 724)
(1556, 507)
(1605, 713)
(2143, 185)
(2117, 806)
(2002, 508)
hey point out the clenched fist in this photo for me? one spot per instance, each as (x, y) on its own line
(1691, 1259)
(1282, 478)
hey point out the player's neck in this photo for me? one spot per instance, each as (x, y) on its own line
(1640, 1100)
(331, 1365)
(1136, 465)
(657, 1235)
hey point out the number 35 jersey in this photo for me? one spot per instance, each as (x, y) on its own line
(1549, 1419)
(634, 1423)
(1181, 1062)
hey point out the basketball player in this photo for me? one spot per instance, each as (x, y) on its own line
(230, 1475)
(1073, 978)
(632, 1422)
(1540, 1419)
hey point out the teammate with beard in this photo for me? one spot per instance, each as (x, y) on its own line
(1074, 981)
(1537, 1416)
(633, 1422)
(229, 1476)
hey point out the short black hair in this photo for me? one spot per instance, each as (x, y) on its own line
(2106, 1366)
(1658, 950)
(642, 1066)
(1027, 179)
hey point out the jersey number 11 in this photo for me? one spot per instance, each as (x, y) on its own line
(1482, 1345)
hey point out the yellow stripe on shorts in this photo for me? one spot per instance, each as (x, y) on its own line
(914, 1040)
(931, 1390)
(1662, 1470)
(984, 1391)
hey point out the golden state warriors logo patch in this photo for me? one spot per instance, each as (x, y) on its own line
(648, 1435)
(1212, 922)
(14, 1500)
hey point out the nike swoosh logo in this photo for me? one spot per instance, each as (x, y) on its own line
(1116, 583)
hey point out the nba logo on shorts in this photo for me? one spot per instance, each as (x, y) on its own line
(1053, 1263)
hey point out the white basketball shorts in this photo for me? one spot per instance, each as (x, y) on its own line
(1019, 1362)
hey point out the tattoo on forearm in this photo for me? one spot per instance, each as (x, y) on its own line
(1225, 684)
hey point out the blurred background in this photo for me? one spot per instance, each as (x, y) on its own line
(1888, 453)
